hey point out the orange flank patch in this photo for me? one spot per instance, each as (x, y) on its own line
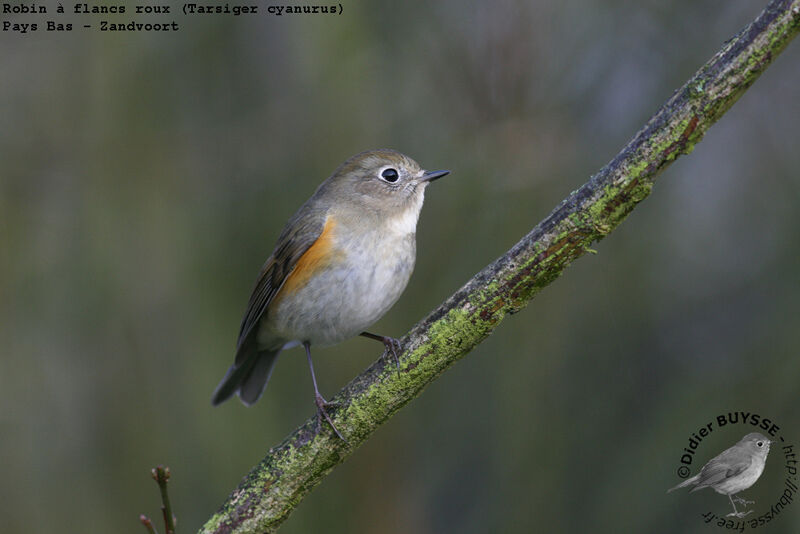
(316, 257)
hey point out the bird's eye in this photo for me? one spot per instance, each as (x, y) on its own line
(760, 443)
(390, 175)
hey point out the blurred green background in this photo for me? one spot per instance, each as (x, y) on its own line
(145, 177)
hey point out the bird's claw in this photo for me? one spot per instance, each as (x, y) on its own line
(739, 514)
(322, 413)
(392, 346)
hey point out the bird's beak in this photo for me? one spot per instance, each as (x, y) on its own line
(430, 176)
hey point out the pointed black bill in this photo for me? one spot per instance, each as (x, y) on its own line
(430, 176)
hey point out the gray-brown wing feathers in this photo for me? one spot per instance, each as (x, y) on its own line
(728, 464)
(253, 364)
(297, 237)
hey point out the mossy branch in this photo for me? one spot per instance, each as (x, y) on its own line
(290, 470)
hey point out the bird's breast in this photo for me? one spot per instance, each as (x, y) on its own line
(743, 480)
(372, 267)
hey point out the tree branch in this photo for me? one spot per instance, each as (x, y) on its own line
(289, 471)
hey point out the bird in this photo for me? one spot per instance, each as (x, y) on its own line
(733, 470)
(340, 263)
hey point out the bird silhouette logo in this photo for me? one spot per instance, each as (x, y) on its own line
(733, 471)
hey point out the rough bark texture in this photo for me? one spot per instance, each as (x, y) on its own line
(290, 470)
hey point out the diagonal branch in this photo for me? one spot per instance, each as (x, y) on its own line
(290, 470)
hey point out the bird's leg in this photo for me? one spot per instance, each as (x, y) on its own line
(391, 346)
(743, 501)
(319, 400)
(735, 512)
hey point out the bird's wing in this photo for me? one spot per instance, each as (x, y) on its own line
(300, 233)
(728, 464)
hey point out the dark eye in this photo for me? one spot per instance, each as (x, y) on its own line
(390, 175)
(760, 443)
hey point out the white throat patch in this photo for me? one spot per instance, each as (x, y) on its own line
(406, 222)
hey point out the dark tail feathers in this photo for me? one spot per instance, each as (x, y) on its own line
(248, 378)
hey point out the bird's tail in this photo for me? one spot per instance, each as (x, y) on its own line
(688, 482)
(248, 377)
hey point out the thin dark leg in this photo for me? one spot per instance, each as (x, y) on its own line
(390, 344)
(319, 400)
(735, 511)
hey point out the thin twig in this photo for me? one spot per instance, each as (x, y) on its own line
(161, 476)
(148, 524)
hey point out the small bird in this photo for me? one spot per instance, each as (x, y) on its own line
(733, 470)
(339, 264)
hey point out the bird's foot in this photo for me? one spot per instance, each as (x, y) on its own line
(390, 346)
(739, 514)
(321, 403)
(743, 501)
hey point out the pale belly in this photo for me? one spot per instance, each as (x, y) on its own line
(344, 299)
(742, 481)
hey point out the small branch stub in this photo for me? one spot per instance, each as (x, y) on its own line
(148, 524)
(161, 475)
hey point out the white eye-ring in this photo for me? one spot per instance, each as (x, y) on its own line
(390, 174)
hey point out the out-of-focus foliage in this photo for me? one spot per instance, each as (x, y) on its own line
(144, 178)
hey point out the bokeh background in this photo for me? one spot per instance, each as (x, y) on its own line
(145, 177)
